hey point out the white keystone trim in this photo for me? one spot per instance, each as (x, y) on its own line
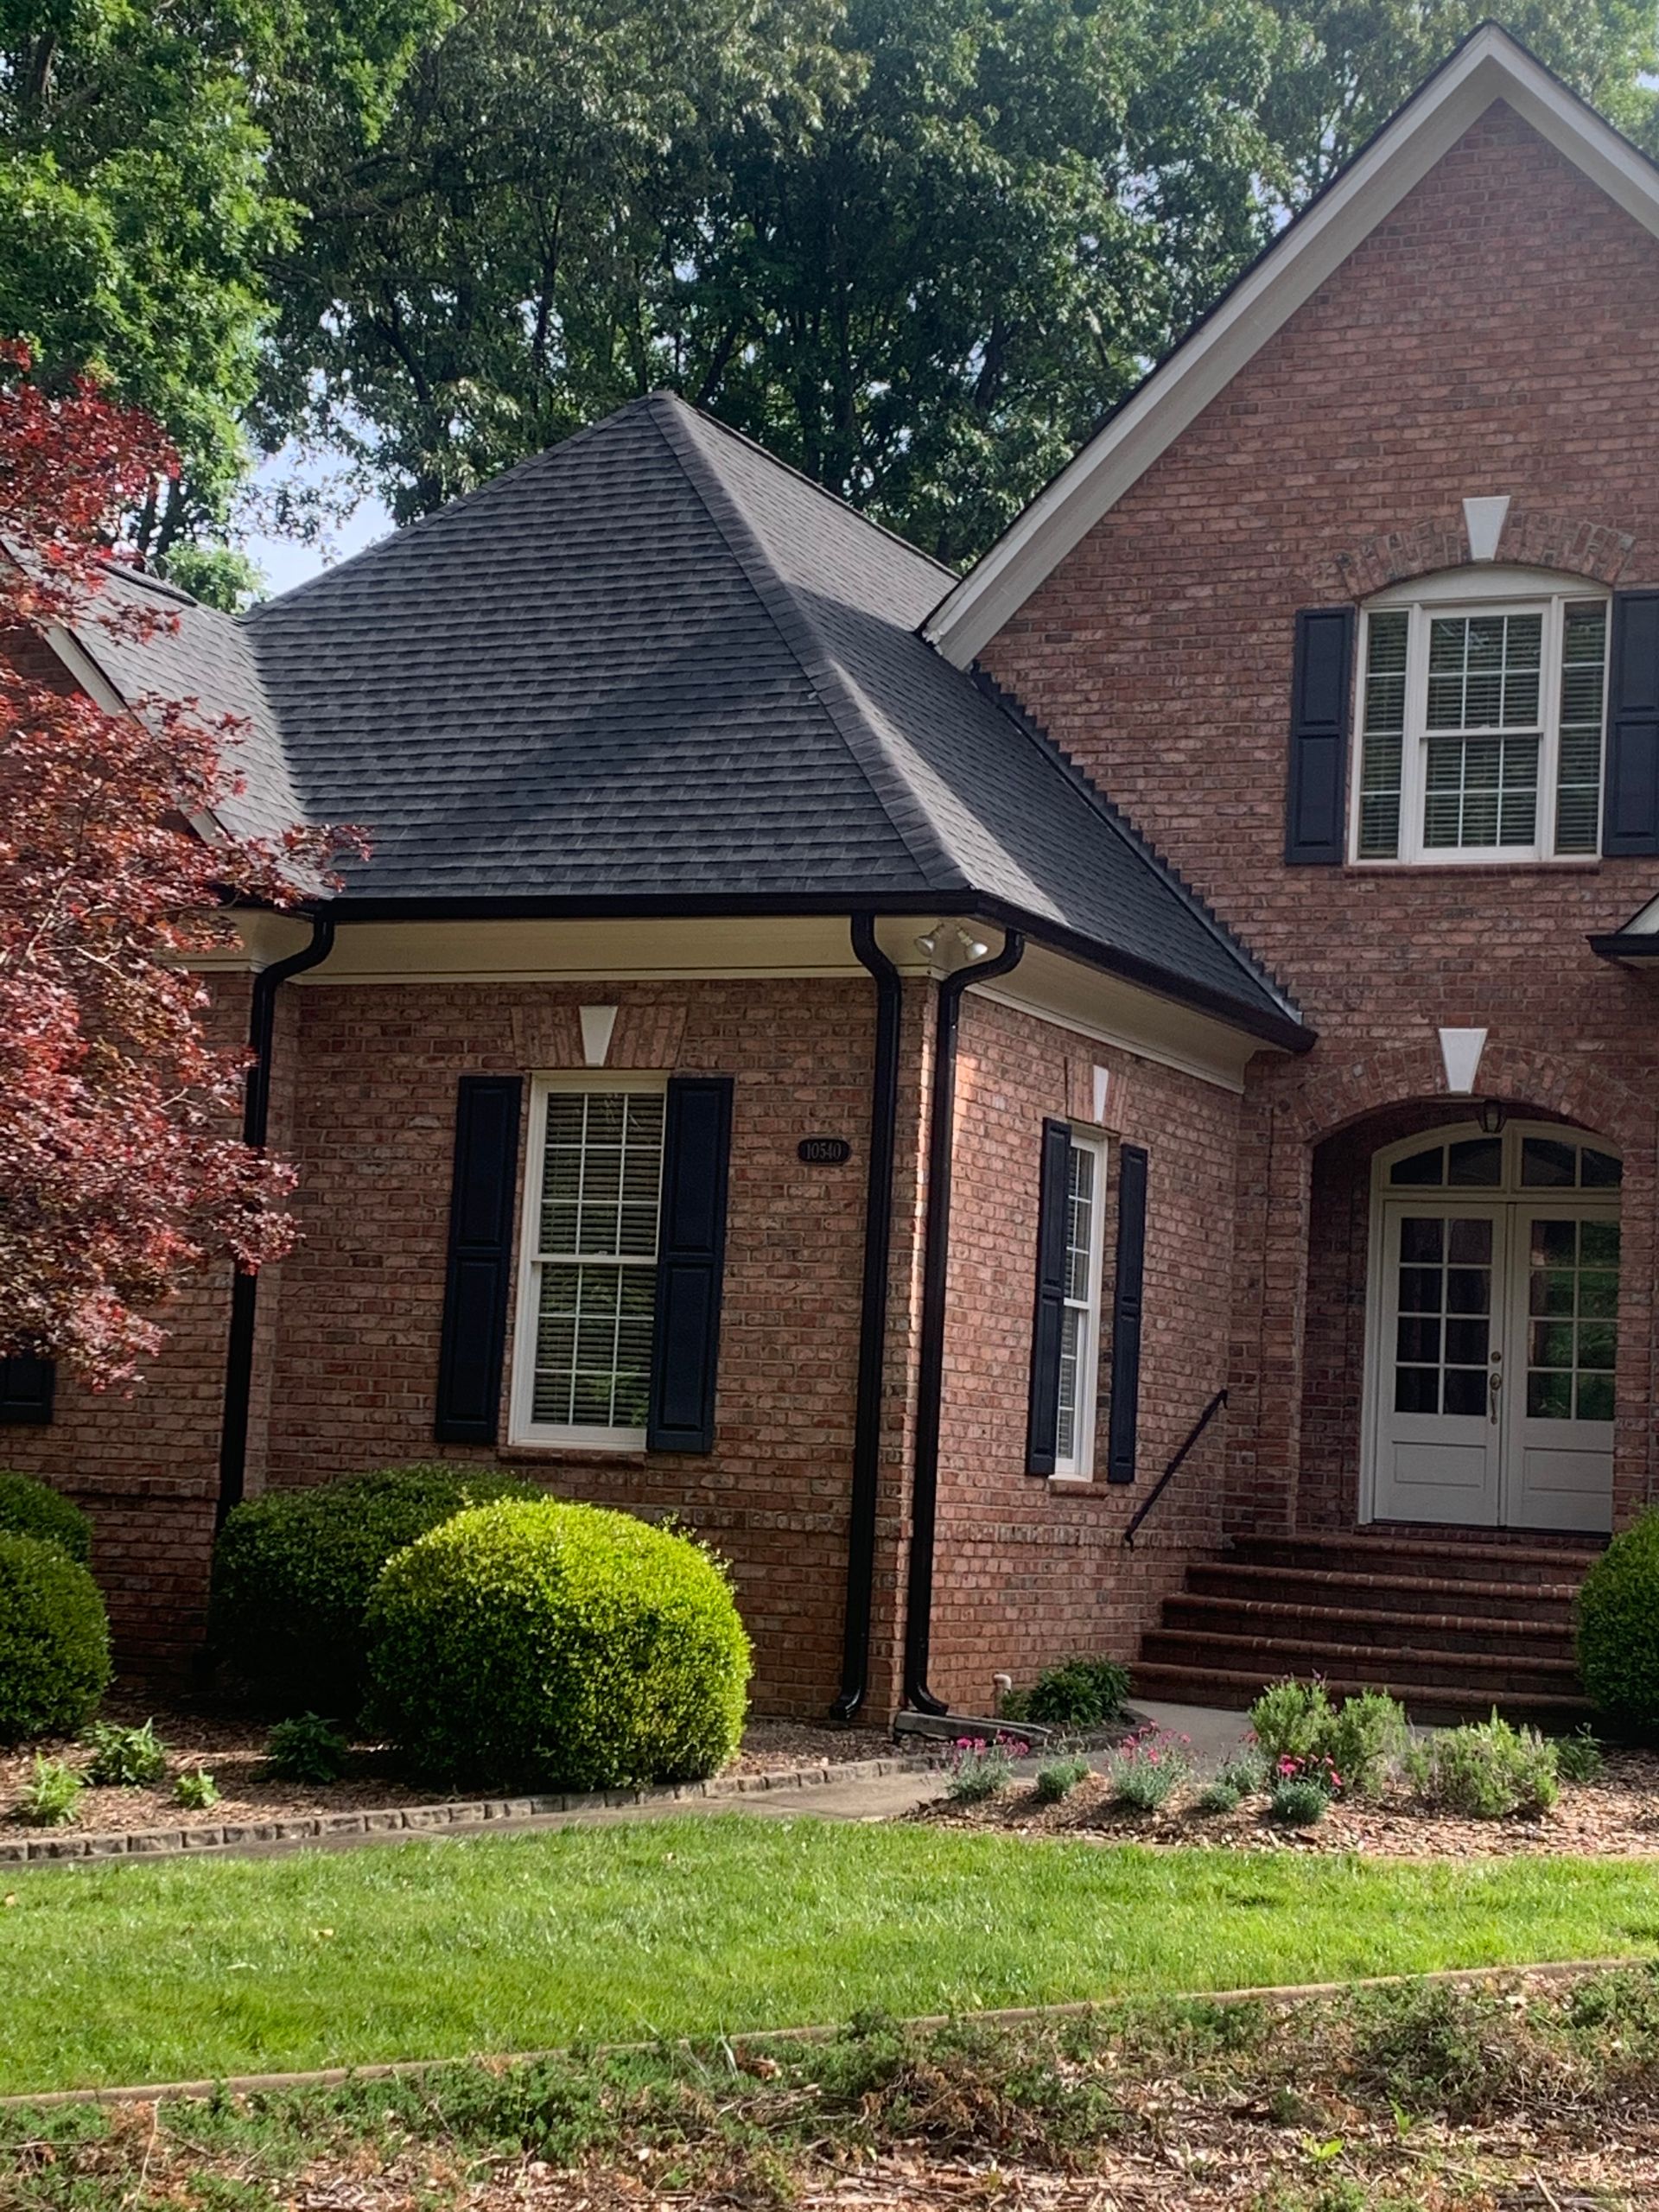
(1489, 66)
(1482, 523)
(1460, 1051)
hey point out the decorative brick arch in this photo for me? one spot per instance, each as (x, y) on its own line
(1332, 1099)
(1533, 538)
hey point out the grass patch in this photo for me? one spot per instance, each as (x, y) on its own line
(698, 1926)
(1405, 2098)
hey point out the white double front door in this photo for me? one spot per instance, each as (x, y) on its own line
(1494, 1340)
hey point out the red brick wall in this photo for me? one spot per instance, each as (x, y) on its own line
(1029, 1571)
(144, 1463)
(1498, 333)
(353, 1379)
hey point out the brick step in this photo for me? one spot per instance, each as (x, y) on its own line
(1378, 1631)
(1234, 1691)
(1421, 1668)
(1359, 1552)
(1544, 1605)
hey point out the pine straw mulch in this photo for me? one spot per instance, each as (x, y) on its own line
(1521, 2094)
(1617, 1816)
(232, 1749)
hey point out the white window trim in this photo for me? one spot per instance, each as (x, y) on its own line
(1079, 1466)
(522, 1427)
(1491, 591)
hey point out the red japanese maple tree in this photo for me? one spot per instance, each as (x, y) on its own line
(121, 1170)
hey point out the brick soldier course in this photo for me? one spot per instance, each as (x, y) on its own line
(638, 729)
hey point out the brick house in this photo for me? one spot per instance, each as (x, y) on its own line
(890, 1068)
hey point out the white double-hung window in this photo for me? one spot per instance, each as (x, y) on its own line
(1074, 1442)
(1481, 720)
(588, 1269)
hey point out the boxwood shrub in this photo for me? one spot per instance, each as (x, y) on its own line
(293, 1570)
(557, 1646)
(54, 1641)
(29, 1507)
(1618, 1627)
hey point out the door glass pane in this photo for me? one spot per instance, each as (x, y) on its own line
(1444, 1301)
(1420, 1170)
(1476, 1163)
(1546, 1164)
(1573, 1337)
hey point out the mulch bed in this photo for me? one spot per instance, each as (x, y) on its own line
(1615, 1816)
(232, 1750)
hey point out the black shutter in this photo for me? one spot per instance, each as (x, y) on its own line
(25, 1391)
(1320, 691)
(480, 1259)
(1042, 1425)
(1125, 1416)
(1629, 822)
(690, 1260)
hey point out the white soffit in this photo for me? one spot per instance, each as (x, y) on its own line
(1489, 66)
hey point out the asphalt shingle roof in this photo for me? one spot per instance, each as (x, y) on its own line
(652, 663)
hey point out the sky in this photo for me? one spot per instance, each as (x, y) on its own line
(285, 562)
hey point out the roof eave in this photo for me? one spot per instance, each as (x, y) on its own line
(1271, 1026)
(1489, 65)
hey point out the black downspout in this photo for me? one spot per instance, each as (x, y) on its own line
(918, 1591)
(245, 1288)
(872, 1321)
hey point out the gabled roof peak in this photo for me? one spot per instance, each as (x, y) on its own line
(1489, 65)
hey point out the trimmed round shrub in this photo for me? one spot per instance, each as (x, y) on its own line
(29, 1507)
(558, 1646)
(54, 1641)
(293, 1570)
(1618, 1627)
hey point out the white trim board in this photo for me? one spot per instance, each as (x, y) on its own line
(1490, 65)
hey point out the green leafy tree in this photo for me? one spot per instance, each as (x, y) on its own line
(139, 220)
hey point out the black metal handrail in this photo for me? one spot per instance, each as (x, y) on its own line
(1174, 1468)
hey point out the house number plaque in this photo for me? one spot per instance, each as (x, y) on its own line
(825, 1152)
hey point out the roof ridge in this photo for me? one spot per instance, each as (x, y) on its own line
(1133, 836)
(788, 469)
(807, 647)
(400, 533)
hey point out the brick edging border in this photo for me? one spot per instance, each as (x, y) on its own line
(326, 2077)
(471, 1813)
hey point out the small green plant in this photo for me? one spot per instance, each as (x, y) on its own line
(1245, 1772)
(1618, 1626)
(1487, 1770)
(1148, 1767)
(195, 1790)
(125, 1758)
(1219, 1796)
(1077, 1693)
(1059, 1779)
(1578, 1756)
(307, 1748)
(29, 1507)
(1289, 1719)
(1363, 1739)
(1303, 1789)
(54, 1641)
(50, 1797)
(982, 1769)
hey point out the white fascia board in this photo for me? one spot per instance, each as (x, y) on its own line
(102, 693)
(1490, 68)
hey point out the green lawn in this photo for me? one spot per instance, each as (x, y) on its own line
(191, 1968)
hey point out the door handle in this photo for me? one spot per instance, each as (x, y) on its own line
(1494, 1384)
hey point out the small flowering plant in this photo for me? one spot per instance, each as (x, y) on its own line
(980, 1769)
(1148, 1767)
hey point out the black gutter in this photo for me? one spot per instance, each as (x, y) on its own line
(925, 1491)
(1272, 1026)
(872, 1321)
(244, 1288)
(1626, 944)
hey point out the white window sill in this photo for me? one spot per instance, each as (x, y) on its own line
(1072, 1482)
(567, 1441)
(1486, 864)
